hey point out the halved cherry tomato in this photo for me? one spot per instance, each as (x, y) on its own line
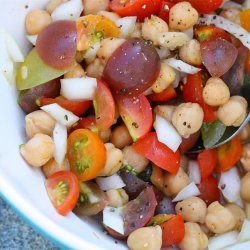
(158, 153)
(164, 10)
(229, 154)
(76, 107)
(247, 63)
(244, 19)
(173, 231)
(136, 114)
(166, 95)
(86, 123)
(209, 190)
(207, 161)
(86, 154)
(104, 105)
(63, 191)
(192, 92)
(139, 8)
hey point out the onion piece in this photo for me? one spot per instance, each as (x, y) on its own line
(244, 234)
(238, 246)
(229, 185)
(189, 32)
(167, 134)
(112, 217)
(247, 210)
(126, 25)
(190, 190)
(181, 66)
(223, 240)
(111, 182)
(91, 53)
(78, 88)
(177, 79)
(60, 114)
(60, 142)
(32, 39)
(246, 4)
(163, 52)
(233, 28)
(194, 172)
(70, 10)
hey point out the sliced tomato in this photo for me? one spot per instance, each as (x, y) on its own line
(86, 154)
(229, 154)
(139, 8)
(173, 231)
(244, 19)
(209, 190)
(104, 105)
(164, 10)
(166, 95)
(86, 123)
(158, 153)
(63, 191)
(76, 107)
(207, 161)
(136, 114)
(192, 92)
(189, 143)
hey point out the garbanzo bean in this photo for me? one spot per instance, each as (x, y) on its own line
(117, 197)
(245, 158)
(245, 187)
(36, 21)
(238, 213)
(76, 72)
(105, 135)
(94, 6)
(166, 111)
(120, 137)
(137, 32)
(95, 69)
(52, 167)
(245, 133)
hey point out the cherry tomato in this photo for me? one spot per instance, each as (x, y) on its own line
(188, 143)
(76, 107)
(164, 10)
(132, 68)
(56, 44)
(229, 154)
(63, 191)
(244, 19)
(192, 92)
(86, 123)
(139, 8)
(173, 230)
(166, 95)
(209, 190)
(136, 114)
(86, 154)
(104, 105)
(207, 161)
(158, 153)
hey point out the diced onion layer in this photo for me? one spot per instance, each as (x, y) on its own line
(126, 25)
(111, 182)
(244, 234)
(194, 172)
(32, 39)
(91, 53)
(190, 190)
(238, 246)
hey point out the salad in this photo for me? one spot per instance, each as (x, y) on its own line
(116, 95)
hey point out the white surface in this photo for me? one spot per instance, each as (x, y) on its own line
(22, 185)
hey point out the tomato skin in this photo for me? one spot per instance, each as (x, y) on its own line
(164, 10)
(76, 107)
(86, 123)
(158, 153)
(139, 8)
(166, 95)
(173, 231)
(209, 190)
(73, 185)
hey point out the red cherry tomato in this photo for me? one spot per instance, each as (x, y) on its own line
(166, 95)
(87, 123)
(188, 143)
(63, 191)
(158, 153)
(164, 10)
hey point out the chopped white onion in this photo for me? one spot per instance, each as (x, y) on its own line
(246, 4)
(177, 79)
(60, 114)
(222, 240)
(70, 10)
(78, 88)
(91, 53)
(238, 246)
(244, 234)
(163, 52)
(194, 172)
(60, 142)
(32, 39)
(149, 91)
(230, 4)
(189, 32)
(233, 28)
(167, 134)
(240, 203)
(111, 182)
(229, 185)
(190, 190)
(126, 25)
(181, 66)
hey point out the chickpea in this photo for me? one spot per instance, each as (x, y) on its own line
(53, 4)
(117, 197)
(111, 15)
(39, 122)
(95, 69)
(193, 209)
(238, 213)
(233, 112)
(38, 150)
(245, 133)
(219, 219)
(245, 158)
(52, 167)
(152, 27)
(166, 111)
(113, 161)
(120, 137)
(245, 187)
(36, 21)
(107, 48)
(187, 118)
(76, 72)
(94, 6)
(146, 238)
(166, 77)
(105, 135)
(137, 32)
(191, 52)
(132, 158)
(194, 239)
(173, 184)
(216, 92)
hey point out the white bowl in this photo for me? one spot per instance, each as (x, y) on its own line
(22, 186)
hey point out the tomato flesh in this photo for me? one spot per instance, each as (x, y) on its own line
(164, 10)
(166, 95)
